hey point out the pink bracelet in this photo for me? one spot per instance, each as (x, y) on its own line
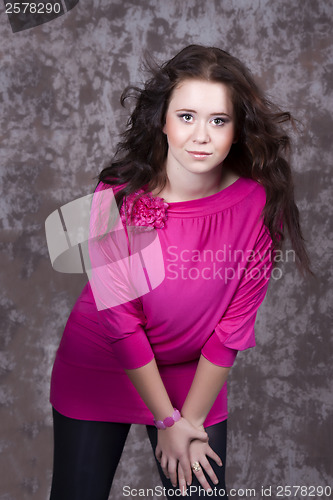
(168, 421)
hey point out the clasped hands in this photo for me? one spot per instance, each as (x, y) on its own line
(180, 446)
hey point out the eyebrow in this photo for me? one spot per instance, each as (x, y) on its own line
(193, 111)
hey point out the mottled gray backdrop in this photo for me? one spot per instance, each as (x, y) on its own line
(60, 120)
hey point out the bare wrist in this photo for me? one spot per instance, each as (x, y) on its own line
(196, 422)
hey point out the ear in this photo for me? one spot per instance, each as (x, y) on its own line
(164, 129)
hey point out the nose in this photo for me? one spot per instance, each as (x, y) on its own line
(200, 133)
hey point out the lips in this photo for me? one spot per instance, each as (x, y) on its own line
(199, 154)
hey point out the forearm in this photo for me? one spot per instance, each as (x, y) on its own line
(148, 383)
(207, 383)
(173, 443)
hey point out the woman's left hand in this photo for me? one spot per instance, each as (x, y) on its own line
(198, 452)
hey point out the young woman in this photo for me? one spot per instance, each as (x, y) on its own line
(202, 167)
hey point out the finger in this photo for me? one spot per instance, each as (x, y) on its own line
(164, 466)
(199, 474)
(184, 462)
(181, 480)
(172, 470)
(202, 435)
(209, 470)
(211, 453)
(158, 453)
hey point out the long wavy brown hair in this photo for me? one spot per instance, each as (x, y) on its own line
(260, 153)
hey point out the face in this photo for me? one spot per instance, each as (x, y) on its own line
(199, 127)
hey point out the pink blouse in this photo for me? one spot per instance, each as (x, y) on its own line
(211, 263)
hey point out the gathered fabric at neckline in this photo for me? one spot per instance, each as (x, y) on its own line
(214, 203)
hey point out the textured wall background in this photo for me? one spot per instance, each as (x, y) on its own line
(60, 87)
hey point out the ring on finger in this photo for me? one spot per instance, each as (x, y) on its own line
(196, 467)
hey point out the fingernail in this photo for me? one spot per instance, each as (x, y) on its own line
(209, 490)
(216, 481)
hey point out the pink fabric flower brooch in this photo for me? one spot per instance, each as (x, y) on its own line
(147, 211)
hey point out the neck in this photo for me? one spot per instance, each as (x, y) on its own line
(195, 186)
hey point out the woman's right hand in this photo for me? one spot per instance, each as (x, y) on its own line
(173, 447)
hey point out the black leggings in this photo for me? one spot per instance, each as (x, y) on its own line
(87, 453)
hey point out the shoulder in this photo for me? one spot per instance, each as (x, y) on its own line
(250, 214)
(251, 193)
(249, 203)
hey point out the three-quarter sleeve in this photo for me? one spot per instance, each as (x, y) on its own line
(117, 281)
(124, 327)
(235, 330)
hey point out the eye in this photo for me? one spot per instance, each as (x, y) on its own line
(219, 121)
(186, 117)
